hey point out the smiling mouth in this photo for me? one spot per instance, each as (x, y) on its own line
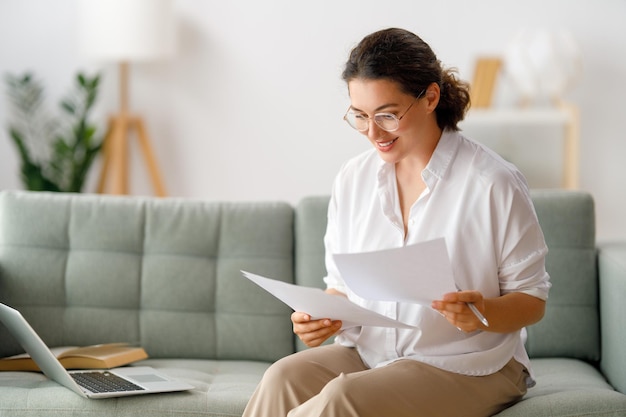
(386, 144)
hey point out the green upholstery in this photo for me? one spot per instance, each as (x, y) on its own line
(310, 227)
(565, 344)
(165, 273)
(612, 268)
(571, 325)
(222, 390)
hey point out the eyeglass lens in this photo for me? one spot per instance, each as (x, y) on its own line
(386, 121)
(360, 122)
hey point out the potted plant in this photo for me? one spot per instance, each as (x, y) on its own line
(56, 153)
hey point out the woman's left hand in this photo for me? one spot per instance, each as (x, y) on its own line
(454, 308)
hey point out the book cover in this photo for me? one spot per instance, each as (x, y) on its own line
(104, 356)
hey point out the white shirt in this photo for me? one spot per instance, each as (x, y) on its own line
(480, 204)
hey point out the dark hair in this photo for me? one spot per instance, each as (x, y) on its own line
(401, 56)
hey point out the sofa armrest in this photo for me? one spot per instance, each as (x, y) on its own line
(612, 276)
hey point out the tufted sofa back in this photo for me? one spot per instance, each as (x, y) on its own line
(570, 327)
(88, 269)
(165, 273)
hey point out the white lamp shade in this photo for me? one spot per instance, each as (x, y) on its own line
(126, 30)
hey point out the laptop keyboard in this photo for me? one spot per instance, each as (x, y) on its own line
(104, 382)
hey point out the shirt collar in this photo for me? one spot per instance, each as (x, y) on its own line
(437, 166)
(442, 157)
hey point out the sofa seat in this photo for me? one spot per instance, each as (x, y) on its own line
(222, 388)
(566, 388)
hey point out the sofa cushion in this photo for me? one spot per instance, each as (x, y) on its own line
(165, 273)
(570, 327)
(310, 228)
(612, 270)
(567, 388)
(222, 388)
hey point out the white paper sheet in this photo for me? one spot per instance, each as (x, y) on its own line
(418, 273)
(319, 305)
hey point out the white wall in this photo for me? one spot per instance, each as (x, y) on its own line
(251, 107)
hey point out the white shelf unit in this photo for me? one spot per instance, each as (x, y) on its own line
(542, 142)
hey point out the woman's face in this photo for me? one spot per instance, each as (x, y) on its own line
(370, 97)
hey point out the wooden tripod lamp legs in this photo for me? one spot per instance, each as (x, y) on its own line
(115, 164)
(150, 158)
(115, 150)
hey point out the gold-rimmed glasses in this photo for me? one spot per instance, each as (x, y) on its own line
(388, 122)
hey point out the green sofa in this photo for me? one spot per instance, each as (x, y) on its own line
(165, 273)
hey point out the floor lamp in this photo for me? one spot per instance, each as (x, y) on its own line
(126, 31)
(115, 150)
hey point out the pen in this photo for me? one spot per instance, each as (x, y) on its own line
(477, 313)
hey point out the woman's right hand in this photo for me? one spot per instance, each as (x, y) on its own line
(313, 332)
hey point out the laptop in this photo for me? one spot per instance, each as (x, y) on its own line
(98, 383)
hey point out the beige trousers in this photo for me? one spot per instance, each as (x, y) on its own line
(332, 381)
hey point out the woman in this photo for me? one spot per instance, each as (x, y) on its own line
(422, 180)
